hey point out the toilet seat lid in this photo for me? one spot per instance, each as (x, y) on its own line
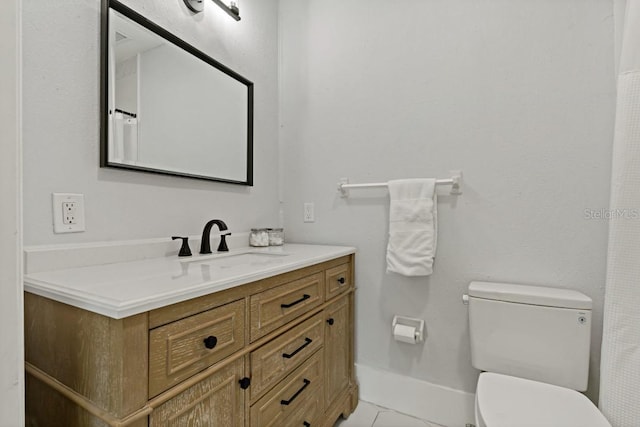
(505, 401)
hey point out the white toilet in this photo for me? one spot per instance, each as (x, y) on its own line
(533, 345)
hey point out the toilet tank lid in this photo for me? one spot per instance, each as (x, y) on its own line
(534, 295)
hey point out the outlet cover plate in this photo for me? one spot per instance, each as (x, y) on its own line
(58, 201)
(309, 212)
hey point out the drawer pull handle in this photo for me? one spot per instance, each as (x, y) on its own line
(210, 342)
(330, 321)
(341, 280)
(298, 301)
(306, 424)
(287, 402)
(307, 341)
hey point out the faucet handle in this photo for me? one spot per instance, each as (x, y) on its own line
(222, 247)
(184, 249)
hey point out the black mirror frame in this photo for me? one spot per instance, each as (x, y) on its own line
(104, 92)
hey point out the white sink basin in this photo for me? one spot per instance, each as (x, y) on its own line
(245, 259)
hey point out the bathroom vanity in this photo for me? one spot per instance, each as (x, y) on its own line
(251, 338)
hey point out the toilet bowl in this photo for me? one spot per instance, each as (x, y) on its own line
(533, 345)
(506, 401)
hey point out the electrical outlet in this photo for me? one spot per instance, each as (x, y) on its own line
(68, 213)
(309, 214)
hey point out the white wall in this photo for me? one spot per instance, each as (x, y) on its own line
(517, 94)
(11, 313)
(619, 9)
(61, 124)
(126, 84)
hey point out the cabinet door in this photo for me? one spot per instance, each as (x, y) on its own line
(216, 401)
(337, 349)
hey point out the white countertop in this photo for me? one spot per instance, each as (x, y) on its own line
(123, 289)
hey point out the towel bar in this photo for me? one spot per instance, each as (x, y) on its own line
(455, 182)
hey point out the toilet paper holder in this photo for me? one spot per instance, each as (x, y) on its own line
(417, 324)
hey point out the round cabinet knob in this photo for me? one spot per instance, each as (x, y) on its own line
(245, 383)
(210, 342)
(341, 280)
(330, 321)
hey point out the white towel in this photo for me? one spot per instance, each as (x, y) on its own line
(413, 227)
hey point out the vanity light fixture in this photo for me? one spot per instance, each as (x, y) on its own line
(195, 6)
(229, 6)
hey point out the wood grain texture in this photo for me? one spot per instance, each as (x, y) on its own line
(311, 410)
(344, 404)
(177, 350)
(58, 410)
(66, 406)
(171, 313)
(267, 313)
(268, 366)
(337, 349)
(342, 407)
(270, 412)
(217, 401)
(101, 358)
(174, 391)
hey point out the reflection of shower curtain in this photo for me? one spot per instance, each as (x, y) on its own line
(130, 133)
(118, 138)
(620, 367)
(125, 139)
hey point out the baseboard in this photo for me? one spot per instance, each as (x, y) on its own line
(432, 402)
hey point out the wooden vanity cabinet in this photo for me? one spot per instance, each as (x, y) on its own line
(275, 352)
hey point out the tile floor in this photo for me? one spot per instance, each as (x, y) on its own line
(370, 415)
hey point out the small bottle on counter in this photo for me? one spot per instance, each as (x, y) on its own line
(276, 236)
(259, 237)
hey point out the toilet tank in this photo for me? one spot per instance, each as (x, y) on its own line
(532, 332)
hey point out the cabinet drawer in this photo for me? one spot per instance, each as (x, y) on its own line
(273, 361)
(286, 404)
(275, 307)
(183, 348)
(338, 280)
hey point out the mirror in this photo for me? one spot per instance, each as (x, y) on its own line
(169, 108)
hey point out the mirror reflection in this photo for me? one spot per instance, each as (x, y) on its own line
(172, 109)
